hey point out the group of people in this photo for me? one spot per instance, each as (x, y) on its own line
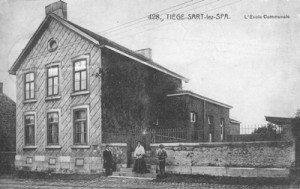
(139, 164)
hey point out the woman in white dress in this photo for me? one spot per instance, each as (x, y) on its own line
(139, 164)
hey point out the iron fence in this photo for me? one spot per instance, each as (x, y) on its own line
(155, 135)
(248, 133)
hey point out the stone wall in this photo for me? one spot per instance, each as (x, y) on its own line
(119, 152)
(89, 162)
(244, 154)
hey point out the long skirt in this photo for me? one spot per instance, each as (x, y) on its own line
(140, 166)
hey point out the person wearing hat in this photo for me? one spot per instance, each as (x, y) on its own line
(108, 161)
(139, 164)
(162, 156)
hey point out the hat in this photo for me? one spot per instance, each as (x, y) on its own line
(161, 146)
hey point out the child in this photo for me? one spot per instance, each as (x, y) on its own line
(162, 155)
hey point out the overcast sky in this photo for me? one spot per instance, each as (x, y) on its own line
(251, 64)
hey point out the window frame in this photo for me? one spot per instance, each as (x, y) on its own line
(222, 128)
(48, 145)
(52, 78)
(34, 128)
(25, 82)
(193, 117)
(87, 109)
(85, 57)
(211, 126)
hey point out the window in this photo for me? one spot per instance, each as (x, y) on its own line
(29, 86)
(80, 126)
(80, 75)
(52, 45)
(52, 81)
(222, 129)
(29, 129)
(210, 122)
(52, 128)
(193, 117)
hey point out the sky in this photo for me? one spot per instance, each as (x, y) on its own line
(250, 64)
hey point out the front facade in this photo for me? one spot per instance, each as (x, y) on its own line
(58, 104)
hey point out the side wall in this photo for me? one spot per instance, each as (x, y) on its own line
(187, 104)
(70, 45)
(218, 113)
(7, 124)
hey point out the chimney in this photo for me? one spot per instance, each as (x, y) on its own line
(145, 52)
(1, 88)
(59, 8)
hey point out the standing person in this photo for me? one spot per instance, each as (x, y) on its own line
(108, 161)
(162, 155)
(139, 164)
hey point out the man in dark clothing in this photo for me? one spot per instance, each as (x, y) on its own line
(162, 155)
(108, 161)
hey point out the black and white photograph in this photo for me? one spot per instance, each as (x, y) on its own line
(150, 94)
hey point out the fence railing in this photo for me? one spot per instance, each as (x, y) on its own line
(252, 129)
(168, 135)
(262, 132)
(155, 135)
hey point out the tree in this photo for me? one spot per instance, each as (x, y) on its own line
(269, 130)
(296, 124)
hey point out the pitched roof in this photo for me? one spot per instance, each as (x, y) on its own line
(5, 100)
(279, 120)
(190, 93)
(96, 39)
(234, 121)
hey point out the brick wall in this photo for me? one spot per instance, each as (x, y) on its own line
(7, 124)
(7, 162)
(218, 113)
(250, 154)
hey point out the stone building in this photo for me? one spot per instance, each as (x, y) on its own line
(74, 84)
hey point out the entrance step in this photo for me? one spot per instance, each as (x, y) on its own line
(126, 170)
(127, 173)
(134, 175)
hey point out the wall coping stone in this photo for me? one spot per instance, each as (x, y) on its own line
(214, 144)
(114, 144)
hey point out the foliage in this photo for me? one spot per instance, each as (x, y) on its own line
(133, 95)
(269, 130)
(297, 115)
(296, 124)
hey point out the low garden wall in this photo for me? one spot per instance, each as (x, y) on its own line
(216, 158)
(119, 152)
(83, 161)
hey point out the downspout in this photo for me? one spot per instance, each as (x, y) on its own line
(204, 116)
